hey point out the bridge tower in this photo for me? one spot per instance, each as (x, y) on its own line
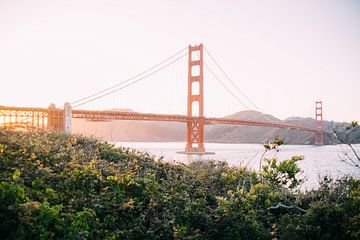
(319, 136)
(59, 120)
(195, 102)
(55, 120)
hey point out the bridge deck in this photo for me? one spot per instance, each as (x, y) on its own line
(117, 115)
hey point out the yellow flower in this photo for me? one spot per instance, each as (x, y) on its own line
(129, 204)
(16, 174)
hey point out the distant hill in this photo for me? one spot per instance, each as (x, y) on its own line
(253, 115)
(172, 131)
(253, 134)
(248, 134)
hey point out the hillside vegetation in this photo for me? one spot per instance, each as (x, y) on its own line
(54, 186)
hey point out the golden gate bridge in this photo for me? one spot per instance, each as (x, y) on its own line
(60, 119)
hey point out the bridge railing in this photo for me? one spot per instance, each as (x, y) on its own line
(32, 118)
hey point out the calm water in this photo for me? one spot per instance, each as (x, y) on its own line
(319, 160)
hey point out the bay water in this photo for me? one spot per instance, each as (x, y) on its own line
(319, 161)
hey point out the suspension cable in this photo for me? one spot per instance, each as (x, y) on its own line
(234, 96)
(222, 84)
(131, 83)
(129, 79)
(232, 82)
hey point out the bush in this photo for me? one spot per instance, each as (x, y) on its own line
(55, 186)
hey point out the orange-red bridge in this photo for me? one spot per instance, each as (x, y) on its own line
(56, 119)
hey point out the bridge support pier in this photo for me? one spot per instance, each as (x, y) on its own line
(195, 136)
(67, 118)
(319, 138)
(55, 120)
(60, 120)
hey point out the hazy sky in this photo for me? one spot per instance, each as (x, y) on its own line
(284, 55)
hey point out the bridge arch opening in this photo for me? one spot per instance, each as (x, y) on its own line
(195, 55)
(195, 70)
(195, 89)
(195, 109)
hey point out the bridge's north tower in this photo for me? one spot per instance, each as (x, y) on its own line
(319, 136)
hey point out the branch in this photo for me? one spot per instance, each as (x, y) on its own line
(352, 148)
(280, 205)
(351, 160)
(348, 163)
(261, 158)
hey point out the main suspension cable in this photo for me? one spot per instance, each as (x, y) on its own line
(232, 82)
(131, 83)
(129, 79)
(224, 86)
(233, 95)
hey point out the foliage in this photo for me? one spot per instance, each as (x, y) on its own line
(349, 155)
(270, 146)
(56, 186)
(333, 213)
(279, 174)
(282, 174)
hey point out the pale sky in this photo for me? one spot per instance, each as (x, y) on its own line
(284, 55)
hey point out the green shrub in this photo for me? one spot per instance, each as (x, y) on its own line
(56, 186)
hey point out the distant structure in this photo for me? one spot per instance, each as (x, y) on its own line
(319, 123)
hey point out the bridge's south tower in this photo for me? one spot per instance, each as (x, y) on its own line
(195, 102)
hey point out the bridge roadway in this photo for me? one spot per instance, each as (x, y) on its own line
(23, 112)
(116, 115)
